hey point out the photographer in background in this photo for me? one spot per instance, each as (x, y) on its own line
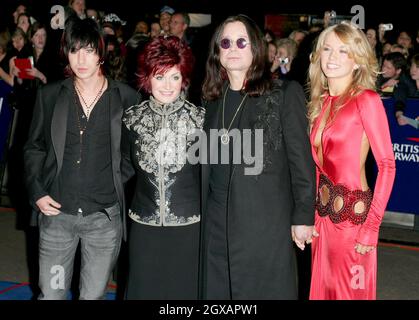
(392, 69)
(286, 52)
(393, 81)
(382, 29)
(413, 89)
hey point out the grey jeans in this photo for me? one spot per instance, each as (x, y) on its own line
(100, 239)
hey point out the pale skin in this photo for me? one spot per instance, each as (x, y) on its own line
(389, 71)
(89, 79)
(237, 62)
(338, 67)
(166, 87)
(177, 25)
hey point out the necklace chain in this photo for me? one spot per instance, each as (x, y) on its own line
(89, 107)
(225, 138)
(81, 127)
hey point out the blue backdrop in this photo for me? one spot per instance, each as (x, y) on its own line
(5, 117)
(405, 139)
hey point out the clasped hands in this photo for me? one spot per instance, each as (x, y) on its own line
(302, 235)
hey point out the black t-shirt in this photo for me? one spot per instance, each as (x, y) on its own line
(220, 173)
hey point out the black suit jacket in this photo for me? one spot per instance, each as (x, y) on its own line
(44, 150)
(262, 208)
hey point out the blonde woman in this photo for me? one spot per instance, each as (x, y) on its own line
(347, 118)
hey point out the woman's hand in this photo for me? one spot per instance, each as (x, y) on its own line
(14, 71)
(363, 249)
(34, 72)
(302, 234)
(276, 63)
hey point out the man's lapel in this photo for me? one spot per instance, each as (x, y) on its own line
(59, 121)
(115, 109)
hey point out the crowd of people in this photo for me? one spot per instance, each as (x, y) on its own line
(122, 138)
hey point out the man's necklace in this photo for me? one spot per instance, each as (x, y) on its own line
(225, 138)
(88, 108)
(82, 127)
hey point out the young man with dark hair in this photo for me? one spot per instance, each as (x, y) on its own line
(394, 64)
(394, 81)
(73, 167)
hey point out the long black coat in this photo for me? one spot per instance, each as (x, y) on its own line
(44, 150)
(262, 208)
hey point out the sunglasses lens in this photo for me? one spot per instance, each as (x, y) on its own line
(225, 43)
(241, 43)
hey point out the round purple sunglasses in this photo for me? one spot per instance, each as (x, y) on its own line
(227, 43)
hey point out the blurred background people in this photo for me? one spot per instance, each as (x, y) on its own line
(165, 15)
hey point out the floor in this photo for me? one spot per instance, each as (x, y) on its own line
(398, 258)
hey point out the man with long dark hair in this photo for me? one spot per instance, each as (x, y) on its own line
(251, 215)
(73, 167)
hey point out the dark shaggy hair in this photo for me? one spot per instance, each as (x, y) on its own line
(161, 54)
(397, 59)
(258, 79)
(79, 34)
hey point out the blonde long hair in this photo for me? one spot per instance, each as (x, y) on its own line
(363, 78)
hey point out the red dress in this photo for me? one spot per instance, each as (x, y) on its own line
(338, 271)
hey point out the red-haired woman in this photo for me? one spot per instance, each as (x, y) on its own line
(165, 211)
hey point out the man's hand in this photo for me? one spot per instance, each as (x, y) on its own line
(48, 206)
(302, 234)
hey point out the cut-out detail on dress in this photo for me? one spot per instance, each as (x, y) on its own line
(332, 195)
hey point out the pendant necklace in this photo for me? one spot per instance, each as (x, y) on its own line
(89, 107)
(225, 138)
(82, 126)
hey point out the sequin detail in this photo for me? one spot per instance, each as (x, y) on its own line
(170, 221)
(349, 197)
(161, 149)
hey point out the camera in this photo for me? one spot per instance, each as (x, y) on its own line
(284, 60)
(332, 14)
(388, 27)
